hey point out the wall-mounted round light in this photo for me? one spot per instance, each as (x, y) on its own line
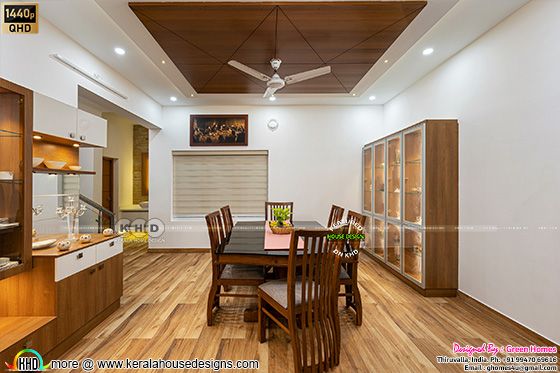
(272, 124)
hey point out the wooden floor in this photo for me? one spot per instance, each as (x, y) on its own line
(163, 315)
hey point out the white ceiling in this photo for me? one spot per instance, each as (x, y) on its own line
(446, 25)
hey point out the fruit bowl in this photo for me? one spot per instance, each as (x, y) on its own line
(55, 165)
(75, 168)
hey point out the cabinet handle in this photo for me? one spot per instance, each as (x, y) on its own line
(83, 138)
(92, 271)
(27, 344)
(72, 135)
(80, 256)
(112, 243)
(102, 266)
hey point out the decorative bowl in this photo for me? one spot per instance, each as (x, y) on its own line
(286, 228)
(85, 238)
(43, 244)
(55, 165)
(75, 168)
(63, 245)
(37, 161)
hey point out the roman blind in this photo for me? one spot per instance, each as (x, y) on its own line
(204, 181)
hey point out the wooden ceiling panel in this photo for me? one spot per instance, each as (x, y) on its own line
(350, 36)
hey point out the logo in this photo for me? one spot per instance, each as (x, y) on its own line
(20, 18)
(32, 362)
(352, 240)
(154, 227)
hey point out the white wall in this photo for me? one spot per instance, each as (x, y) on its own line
(314, 160)
(504, 89)
(24, 59)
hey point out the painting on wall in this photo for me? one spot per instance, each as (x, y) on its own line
(219, 129)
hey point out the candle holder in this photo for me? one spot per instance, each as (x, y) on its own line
(71, 212)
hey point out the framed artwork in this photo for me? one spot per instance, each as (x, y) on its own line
(219, 130)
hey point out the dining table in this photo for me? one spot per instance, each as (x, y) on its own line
(252, 243)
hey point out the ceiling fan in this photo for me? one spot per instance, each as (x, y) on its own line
(275, 82)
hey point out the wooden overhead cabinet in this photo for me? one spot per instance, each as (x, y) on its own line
(413, 226)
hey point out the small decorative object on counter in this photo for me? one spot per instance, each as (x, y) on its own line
(34, 232)
(85, 238)
(63, 245)
(108, 232)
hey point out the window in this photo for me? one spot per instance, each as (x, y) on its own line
(204, 181)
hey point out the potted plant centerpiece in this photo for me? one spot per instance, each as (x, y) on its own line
(281, 223)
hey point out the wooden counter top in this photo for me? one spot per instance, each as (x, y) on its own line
(76, 245)
(15, 328)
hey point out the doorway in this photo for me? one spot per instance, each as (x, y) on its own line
(108, 187)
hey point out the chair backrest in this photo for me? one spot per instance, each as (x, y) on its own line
(355, 221)
(268, 206)
(318, 287)
(228, 220)
(335, 215)
(215, 233)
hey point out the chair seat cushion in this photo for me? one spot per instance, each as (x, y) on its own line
(278, 290)
(343, 274)
(242, 272)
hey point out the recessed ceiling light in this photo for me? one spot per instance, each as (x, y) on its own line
(386, 61)
(163, 62)
(173, 98)
(272, 98)
(37, 137)
(76, 145)
(353, 94)
(428, 51)
(371, 98)
(192, 94)
(120, 51)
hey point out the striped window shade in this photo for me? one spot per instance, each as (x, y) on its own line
(204, 181)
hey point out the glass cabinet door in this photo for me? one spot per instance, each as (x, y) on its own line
(379, 178)
(413, 183)
(378, 238)
(394, 178)
(394, 245)
(11, 179)
(413, 251)
(367, 244)
(366, 161)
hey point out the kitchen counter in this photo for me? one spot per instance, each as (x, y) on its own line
(54, 252)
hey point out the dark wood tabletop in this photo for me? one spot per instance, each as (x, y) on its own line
(246, 244)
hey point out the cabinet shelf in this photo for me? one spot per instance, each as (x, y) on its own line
(45, 170)
(6, 133)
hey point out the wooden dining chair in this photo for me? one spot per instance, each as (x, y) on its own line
(335, 215)
(349, 270)
(229, 274)
(228, 221)
(305, 305)
(269, 206)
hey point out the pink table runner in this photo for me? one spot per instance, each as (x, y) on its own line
(278, 241)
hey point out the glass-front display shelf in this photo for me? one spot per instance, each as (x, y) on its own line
(378, 229)
(367, 243)
(367, 179)
(394, 178)
(413, 250)
(12, 128)
(379, 178)
(394, 245)
(413, 177)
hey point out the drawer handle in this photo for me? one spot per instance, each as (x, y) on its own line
(80, 256)
(92, 271)
(27, 344)
(102, 266)
(112, 243)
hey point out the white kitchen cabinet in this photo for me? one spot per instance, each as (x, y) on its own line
(91, 129)
(53, 117)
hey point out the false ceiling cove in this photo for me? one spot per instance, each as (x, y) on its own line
(200, 38)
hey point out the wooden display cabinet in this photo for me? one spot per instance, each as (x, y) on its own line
(415, 176)
(16, 128)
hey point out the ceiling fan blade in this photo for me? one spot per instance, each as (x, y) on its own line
(300, 77)
(250, 71)
(269, 92)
